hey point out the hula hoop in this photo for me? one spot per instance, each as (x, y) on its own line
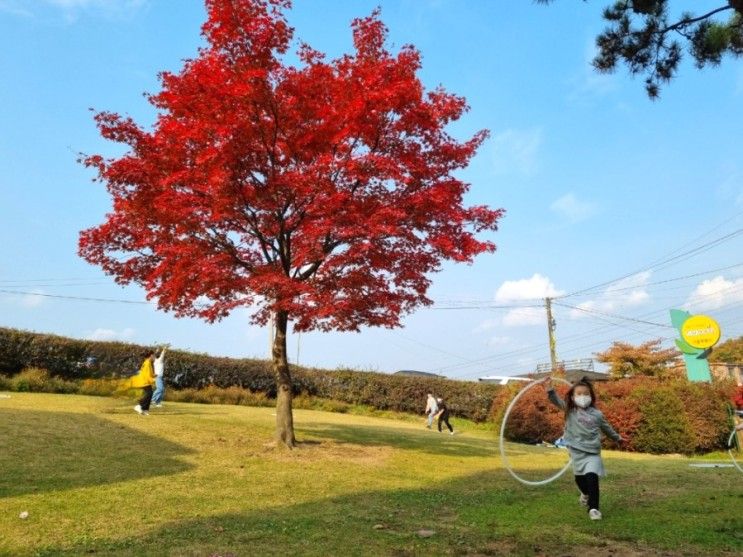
(503, 444)
(730, 450)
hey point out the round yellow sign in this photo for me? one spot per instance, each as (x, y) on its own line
(701, 331)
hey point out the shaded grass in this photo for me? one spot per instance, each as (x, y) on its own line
(204, 480)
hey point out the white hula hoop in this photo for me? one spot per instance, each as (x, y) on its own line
(503, 441)
(730, 450)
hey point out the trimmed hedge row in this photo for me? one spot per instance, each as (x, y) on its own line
(78, 359)
(656, 416)
(671, 416)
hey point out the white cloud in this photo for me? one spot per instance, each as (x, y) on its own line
(516, 151)
(532, 288)
(524, 317)
(487, 325)
(573, 209)
(588, 84)
(628, 292)
(731, 188)
(110, 334)
(33, 300)
(13, 8)
(715, 293)
(499, 341)
(126, 5)
(71, 9)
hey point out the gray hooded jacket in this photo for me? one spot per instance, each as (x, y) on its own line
(583, 426)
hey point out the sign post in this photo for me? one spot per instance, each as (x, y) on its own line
(699, 333)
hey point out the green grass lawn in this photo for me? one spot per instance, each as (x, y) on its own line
(204, 480)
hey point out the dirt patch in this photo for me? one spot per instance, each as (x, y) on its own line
(330, 451)
(612, 549)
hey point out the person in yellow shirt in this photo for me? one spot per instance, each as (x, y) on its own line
(144, 380)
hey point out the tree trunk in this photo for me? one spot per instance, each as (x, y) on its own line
(284, 417)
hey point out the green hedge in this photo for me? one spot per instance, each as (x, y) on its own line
(74, 359)
(654, 416)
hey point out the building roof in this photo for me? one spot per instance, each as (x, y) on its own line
(572, 375)
(414, 373)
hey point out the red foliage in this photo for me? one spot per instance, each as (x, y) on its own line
(738, 398)
(621, 409)
(534, 418)
(633, 406)
(325, 192)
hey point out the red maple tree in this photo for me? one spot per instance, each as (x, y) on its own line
(321, 194)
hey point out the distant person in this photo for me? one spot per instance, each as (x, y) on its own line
(443, 415)
(738, 400)
(144, 380)
(159, 365)
(431, 409)
(584, 424)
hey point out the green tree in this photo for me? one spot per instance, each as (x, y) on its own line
(729, 352)
(648, 358)
(649, 38)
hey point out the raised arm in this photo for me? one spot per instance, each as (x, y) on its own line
(552, 396)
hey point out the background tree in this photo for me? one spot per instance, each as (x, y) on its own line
(646, 37)
(648, 358)
(321, 195)
(729, 352)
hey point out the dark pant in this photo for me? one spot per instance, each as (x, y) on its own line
(589, 485)
(444, 417)
(144, 402)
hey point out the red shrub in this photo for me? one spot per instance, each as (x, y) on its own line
(652, 415)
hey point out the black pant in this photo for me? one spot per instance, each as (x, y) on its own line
(444, 417)
(144, 402)
(589, 485)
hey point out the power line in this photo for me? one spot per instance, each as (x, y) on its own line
(612, 315)
(571, 339)
(54, 285)
(485, 304)
(79, 298)
(51, 279)
(662, 262)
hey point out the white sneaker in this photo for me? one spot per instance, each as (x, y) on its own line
(138, 409)
(158, 405)
(583, 500)
(451, 433)
(594, 514)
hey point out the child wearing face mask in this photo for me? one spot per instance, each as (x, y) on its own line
(583, 426)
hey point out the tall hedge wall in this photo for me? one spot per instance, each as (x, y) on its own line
(671, 416)
(78, 359)
(654, 416)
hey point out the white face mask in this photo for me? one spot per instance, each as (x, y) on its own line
(583, 401)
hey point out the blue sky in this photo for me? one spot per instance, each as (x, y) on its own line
(598, 181)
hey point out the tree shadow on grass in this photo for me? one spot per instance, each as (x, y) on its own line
(50, 451)
(428, 441)
(478, 514)
(374, 523)
(165, 411)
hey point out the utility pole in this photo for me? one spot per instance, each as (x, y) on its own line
(551, 332)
